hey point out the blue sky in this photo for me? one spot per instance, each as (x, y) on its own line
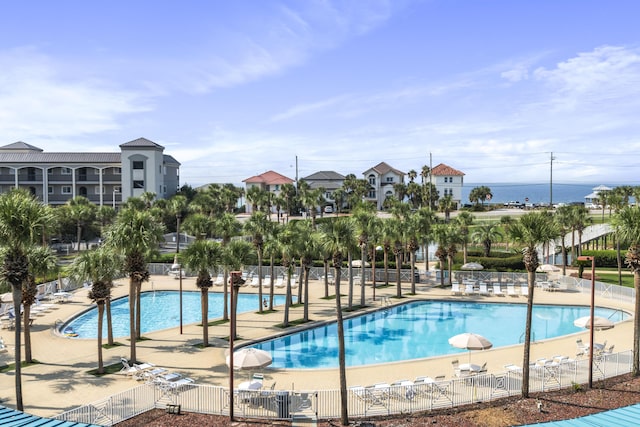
(235, 88)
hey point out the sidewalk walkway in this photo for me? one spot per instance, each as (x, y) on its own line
(61, 380)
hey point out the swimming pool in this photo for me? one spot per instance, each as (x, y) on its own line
(422, 329)
(160, 310)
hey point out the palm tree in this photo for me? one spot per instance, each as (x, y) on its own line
(22, 218)
(531, 230)
(563, 223)
(412, 228)
(464, 221)
(446, 205)
(81, 211)
(135, 235)
(627, 227)
(364, 217)
(226, 226)
(235, 255)
(203, 256)
(288, 243)
(41, 261)
(99, 267)
(337, 238)
(258, 226)
(486, 234)
(506, 221)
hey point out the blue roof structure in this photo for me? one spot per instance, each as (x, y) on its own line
(623, 417)
(13, 418)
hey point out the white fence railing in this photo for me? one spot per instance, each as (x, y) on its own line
(362, 402)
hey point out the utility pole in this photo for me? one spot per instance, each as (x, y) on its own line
(430, 181)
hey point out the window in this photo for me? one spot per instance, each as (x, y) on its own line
(96, 171)
(65, 171)
(49, 171)
(50, 189)
(138, 164)
(372, 179)
(372, 194)
(117, 171)
(277, 187)
(138, 184)
(97, 189)
(389, 179)
(66, 189)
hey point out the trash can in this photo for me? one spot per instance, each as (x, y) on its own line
(282, 403)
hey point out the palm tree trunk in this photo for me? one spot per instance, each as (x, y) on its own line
(225, 304)
(413, 272)
(344, 413)
(138, 310)
(350, 270)
(527, 335)
(398, 281)
(287, 302)
(326, 279)
(17, 301)
(271, 283)
(109, 322)
(132, 319)
(204, 306)
(636, 329)
(305, 315)
(28, 358)
(100, 316)
(260, 281)
(386, 267)
(363, 257)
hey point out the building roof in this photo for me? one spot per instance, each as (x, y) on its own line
(18, 418)
(140, 142)
(442, 170)
(383, 168)
(37, 157)
(20, 146)
(324, 176)
(268, 178)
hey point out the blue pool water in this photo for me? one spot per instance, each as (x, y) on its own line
(422, 329)
(161, 310)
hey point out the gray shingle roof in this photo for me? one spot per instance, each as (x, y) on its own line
(324, 175)
(20, 146)
(141, 142)
(40, 157)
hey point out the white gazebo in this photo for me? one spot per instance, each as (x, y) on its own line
(593, 196)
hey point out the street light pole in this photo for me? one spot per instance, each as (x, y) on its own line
(178, 217)
(591, 320)
(235, 287)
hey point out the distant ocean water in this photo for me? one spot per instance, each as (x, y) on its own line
(536, 193)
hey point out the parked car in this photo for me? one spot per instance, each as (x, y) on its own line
(328, 209)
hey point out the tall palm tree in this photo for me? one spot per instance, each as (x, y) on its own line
(464, 221)
(203, 256)
(99, 267)
(446, 205)
(81, 211)
(22, 219)
(136, 236)
(563, 220)
(235, 255)
(41, 262)
(506, 221)
(486, 234)
(364, 217)
(426, 220)
(288, 251)
(627, 227)
(337, 238)
(531, 230)
(226, 226)
(412, 228)
(258, 227)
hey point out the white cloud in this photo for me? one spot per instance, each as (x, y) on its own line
(36, 101)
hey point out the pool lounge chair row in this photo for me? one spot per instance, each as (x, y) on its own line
(483, 289)
(401, 389)
(154, 375)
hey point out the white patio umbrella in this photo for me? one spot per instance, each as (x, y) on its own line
(599, 323)
(470, 341)
(547, 268)
(358, 263)
(472, 266)
(250, 358)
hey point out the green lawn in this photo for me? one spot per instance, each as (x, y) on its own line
(612, 277)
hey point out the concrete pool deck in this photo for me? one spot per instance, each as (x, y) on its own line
(61, 381)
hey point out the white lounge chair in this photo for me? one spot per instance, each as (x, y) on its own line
(455, 288)
(511, 290)
(3, 346)
(483, 289)
(255, 282)
(524, 290)
(219, 280)
(497, 291)
(280, 282)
